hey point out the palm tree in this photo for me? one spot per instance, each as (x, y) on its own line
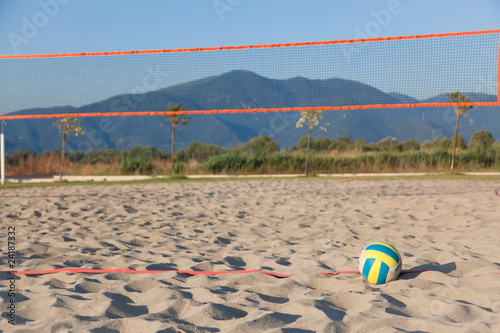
(175, 119)
(460, 110)
(67, 126)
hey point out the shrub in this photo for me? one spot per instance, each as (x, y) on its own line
(437, 143)
(228, 162)
(133, 165)
(178, 168)
(482, 139)
(461, 143)
(410, 145)
(260, 145)
(138, 160)
(235, 162)
(202, 151)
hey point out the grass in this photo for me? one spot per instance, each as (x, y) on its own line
(257, 165)
(175, 179)
(183, 179)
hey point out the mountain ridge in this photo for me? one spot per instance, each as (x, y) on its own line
(237, 89)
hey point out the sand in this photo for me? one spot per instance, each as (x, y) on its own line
(298, 227)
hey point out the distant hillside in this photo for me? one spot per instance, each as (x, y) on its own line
(403, 98)
(236, 89)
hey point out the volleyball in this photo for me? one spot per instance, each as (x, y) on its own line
(380, 263)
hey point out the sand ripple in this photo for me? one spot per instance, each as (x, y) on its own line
(289, 227)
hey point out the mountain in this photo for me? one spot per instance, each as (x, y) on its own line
(402, 98)
(243, 89)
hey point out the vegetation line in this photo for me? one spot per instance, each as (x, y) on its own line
(262, 155)
(180, 179)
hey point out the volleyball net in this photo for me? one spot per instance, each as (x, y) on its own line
(392, 72)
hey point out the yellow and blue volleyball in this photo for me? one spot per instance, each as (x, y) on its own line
(380, 263)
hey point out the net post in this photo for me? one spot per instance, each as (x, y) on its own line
(2, 154)
(498, 71)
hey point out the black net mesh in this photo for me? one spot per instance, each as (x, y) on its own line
(393, 73)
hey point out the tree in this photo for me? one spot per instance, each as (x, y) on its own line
(437, 143)
(343, 143)
(260, 145)
(311, 118)
(410, 145)
(460, 142)
(175, 120)
(481, 138)
(67, 126)
(202, 151)
(460, 110)
(321, 144)
(388, 143)
(138, 159)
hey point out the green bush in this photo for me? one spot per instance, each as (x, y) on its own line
(461, 143)
(260, 145)
(75, 156)
(138, 160)
(146, 167)
(130, 166)
(181, 156)
(225, 163)
(482, 139)
(478, 158)
(13, 159)
(437, 143)
(178, 168)
(202, 151)
(235, 162)
(105, 156)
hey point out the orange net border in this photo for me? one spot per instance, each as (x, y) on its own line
(498, 72)
(350, 107)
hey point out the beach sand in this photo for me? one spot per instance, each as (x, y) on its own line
(297, 227)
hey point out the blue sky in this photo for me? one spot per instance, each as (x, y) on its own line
(120, 25)
(67, 26)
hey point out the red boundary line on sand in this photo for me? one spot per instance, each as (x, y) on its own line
(242, 47)
(131, 271)
(51, 196)
(191, 112)
(485, 274)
